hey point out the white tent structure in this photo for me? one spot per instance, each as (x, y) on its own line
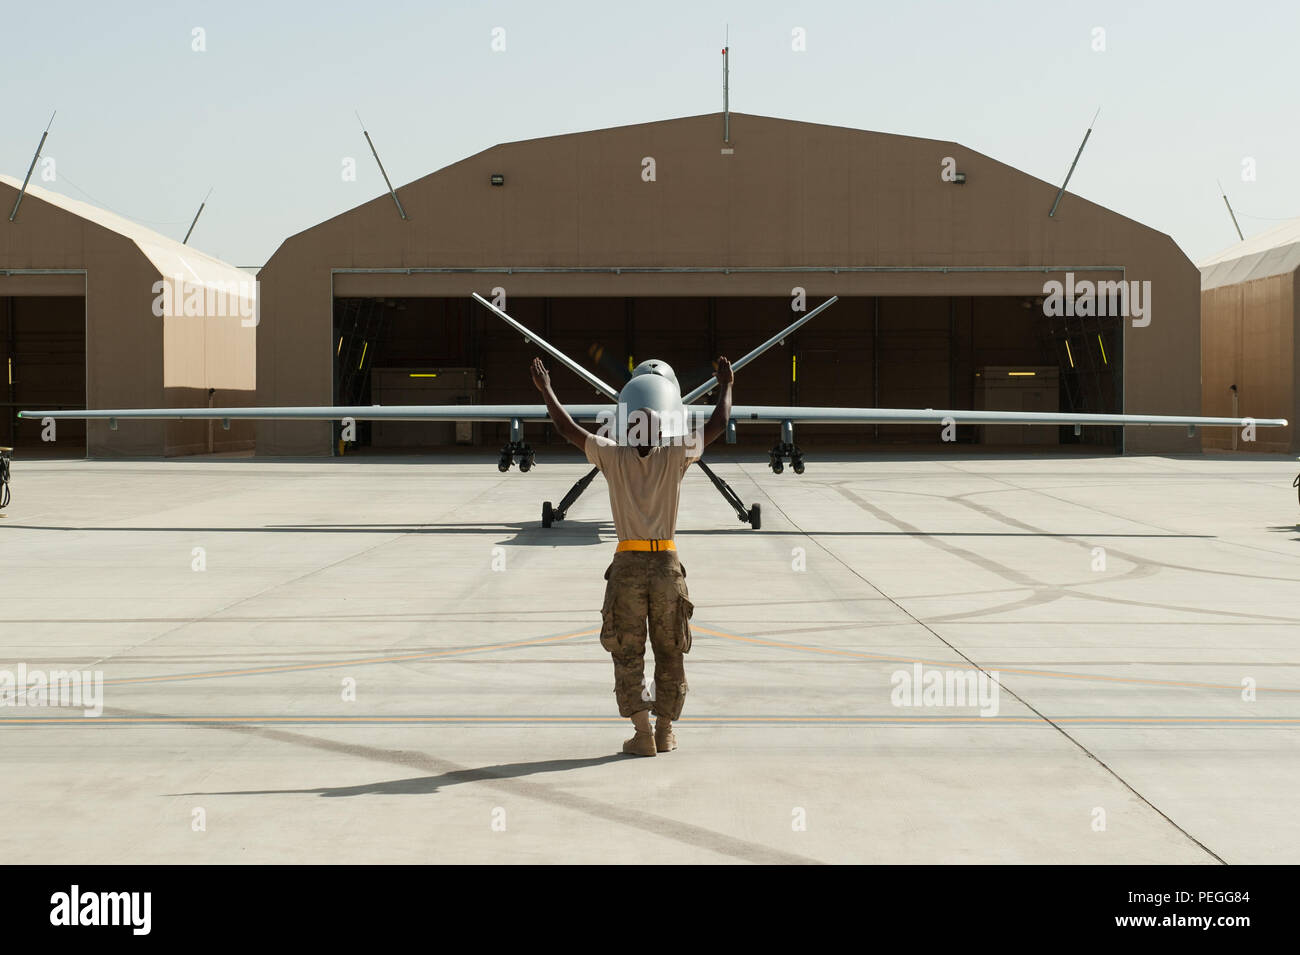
(154, 322)
(1249, 340)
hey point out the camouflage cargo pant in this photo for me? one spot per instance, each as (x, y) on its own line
(645, 586)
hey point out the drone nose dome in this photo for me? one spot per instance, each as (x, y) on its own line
(656, 367)
(660, 395)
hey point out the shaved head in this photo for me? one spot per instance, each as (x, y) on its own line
(642, 428)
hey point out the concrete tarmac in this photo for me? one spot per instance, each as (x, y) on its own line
(390, 660)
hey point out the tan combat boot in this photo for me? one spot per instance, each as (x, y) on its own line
(665, 738)
(642, 742)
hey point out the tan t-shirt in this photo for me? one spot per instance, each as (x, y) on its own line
(643, 491)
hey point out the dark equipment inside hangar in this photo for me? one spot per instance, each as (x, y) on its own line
(952, 352)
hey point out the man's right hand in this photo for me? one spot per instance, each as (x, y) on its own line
(725, 375)
(717, 423)
(541, 377)
(562, 420)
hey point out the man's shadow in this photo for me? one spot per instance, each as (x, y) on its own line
(426, 785)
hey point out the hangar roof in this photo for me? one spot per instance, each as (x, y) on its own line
(781, 194)
(168, 256)
(1275, 251)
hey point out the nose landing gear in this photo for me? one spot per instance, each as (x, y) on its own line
(552, 513)
(753, 515)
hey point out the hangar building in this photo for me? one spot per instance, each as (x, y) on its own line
(661, 240)
(1248, 336)
(82, 325)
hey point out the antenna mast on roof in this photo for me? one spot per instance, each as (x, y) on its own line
(1234, 217)
(391, 191)
(726, 107)
(1060, 192)
(35, 159)
(196, 217)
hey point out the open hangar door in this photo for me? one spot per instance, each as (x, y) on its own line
(607, 335)
(937, 351)
(404, 351)
(43, 359)
(886, 352)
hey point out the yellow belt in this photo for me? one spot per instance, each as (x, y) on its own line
(646, 545)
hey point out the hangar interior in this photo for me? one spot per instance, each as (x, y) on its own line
(959, 352)
(43, 349)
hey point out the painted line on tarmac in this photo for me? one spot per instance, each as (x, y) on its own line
(363, 661)
(766, 720)
(1056, 674)
(721, 634)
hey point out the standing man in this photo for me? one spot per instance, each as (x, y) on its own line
(646, 579)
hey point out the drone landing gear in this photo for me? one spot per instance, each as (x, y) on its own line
(516, 451)
(552, 514)
(753, 516)
(783, 452)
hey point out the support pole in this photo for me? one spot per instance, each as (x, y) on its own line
(1231, 213)
(726, 92)
(1060, 192)
(196, 217)
(11, 349)
(391, 191)
(35, 159)
(875, 360)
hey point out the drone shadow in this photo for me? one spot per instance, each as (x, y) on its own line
(532, 534)
(582, 533)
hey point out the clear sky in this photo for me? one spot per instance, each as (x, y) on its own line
(264, 115)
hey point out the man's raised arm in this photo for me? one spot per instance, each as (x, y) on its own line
(716, 426)
(564, 423)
